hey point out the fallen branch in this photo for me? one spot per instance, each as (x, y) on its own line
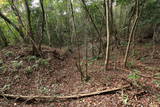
(58, 98)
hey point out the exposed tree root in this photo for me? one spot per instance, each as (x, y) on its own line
(59, 98)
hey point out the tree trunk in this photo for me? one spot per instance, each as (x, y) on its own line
(43, 24)
(94, 25)
(35, 49)
(108, 33)
(73, 24)
(132, 33)
(12, 24)
(47, 30)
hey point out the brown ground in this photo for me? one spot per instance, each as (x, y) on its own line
(60, 77)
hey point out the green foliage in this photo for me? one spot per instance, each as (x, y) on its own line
(157, 82)
(123, 43)
(31, 58)
(35, 66)
(157, 75)
(9, 54)
(135, 53)
(134, 75)
(1, 62)
(158, 97)
(42, 62)
(95, 58)
(131, 64)
(44, 90)
(6, 87)
(29, 70)
(17, 64)
(142, 59)
(3, 69)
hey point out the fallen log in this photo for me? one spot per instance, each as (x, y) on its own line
(58, 98)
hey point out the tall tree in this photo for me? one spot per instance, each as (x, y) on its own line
(133, 28)
(94, 25)
(35, 49)
(108, 32)
(43, 23)
(73, 23)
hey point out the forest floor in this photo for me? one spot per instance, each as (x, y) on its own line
(57, 75)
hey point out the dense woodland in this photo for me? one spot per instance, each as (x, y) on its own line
(80, 53)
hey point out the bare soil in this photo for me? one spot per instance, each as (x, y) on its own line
(58, 76)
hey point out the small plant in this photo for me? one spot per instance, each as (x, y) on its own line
(134, 76)
(17, 64)
(125, 99)
(6, 87)
(135, 53)
(123, 43)
(158, 97)
(2, 69)
(32, 58)
(44, 90)
(157, 75)
(9, 54)
(142, 59)
(43, 62)
(29, 70)
(1, 62)
(35, 66)
(131, 64)
(157, 82)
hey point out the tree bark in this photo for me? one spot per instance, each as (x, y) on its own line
(132, 33)
(73, 24)
(94, 25)
(43, 23)
(108, 33)
(16, 12)
(35, 49)
(13, 25)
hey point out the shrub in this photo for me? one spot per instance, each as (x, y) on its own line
(43, 62)
(17, 64)
(9, 54)
(29, 70)
(1, 62)
(31, 58)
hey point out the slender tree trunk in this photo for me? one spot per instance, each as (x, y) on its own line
(132, 33)
(29, 19)
(86, 71)
(155, 34)
(35, 49)
(94, 25)
(47, 30)
(108, 34)
(73, 24)
(111, 16)
(43, 24)
(13, 25)
(16, 12)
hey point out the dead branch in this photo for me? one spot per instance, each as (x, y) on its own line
(58, 98)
